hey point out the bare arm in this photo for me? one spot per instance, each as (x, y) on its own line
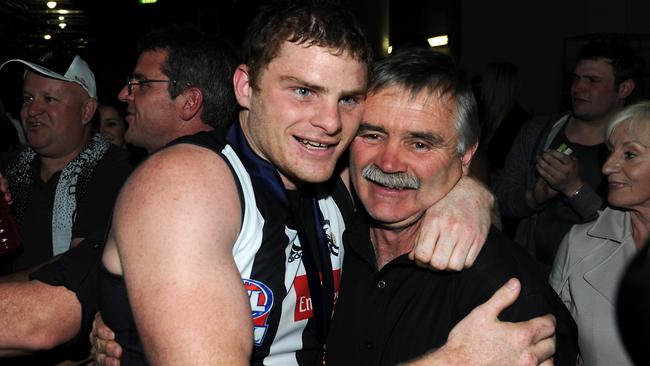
(174, 227)
(36, 316)
(482, 339)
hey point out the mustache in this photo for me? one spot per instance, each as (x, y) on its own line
(390, 180)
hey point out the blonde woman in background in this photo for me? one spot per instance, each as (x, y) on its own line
(592, 257)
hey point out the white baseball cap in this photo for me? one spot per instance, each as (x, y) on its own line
(63, 67)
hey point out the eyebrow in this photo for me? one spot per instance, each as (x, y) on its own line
(431, 138)
(366, 126)
(314, 87)
(319, 88)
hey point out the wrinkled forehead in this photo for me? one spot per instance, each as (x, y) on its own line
(435, 102)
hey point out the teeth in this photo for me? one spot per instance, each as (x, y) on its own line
(313, 145)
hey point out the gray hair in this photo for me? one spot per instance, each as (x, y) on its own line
(420, 69)
(634, 117)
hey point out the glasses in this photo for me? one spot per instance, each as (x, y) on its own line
(131, 81)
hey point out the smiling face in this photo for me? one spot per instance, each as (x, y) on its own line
(594, 93)
(413, 137)
(55, 115)
(304, 111)
(111, 125)
(628, 168)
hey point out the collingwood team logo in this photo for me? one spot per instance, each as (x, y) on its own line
(296, 250)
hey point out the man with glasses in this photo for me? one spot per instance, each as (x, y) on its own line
(47, 311)
(65, 183)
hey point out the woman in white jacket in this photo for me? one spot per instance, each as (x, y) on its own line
(593, 256)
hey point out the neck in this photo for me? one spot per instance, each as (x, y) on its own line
(640, 228)
(51, 165)
(588, 132)
(185, 129)
(392, 243)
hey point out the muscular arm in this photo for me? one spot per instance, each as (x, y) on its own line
(174, 227)
(36, 316)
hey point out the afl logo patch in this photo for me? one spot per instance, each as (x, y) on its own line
(261, 301)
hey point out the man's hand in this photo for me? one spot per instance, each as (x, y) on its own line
(4, 189)
(453, 231)
(106, 350)
(560, 171)
(540, 194)
(482, 339)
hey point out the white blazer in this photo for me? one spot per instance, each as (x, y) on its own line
(587, 270)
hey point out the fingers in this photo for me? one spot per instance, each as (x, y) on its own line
(4, 189)
(473, 252)
(459, 255)
(101, 330)
(544, 350)
(502, 298)
(548, 362)
(541, 327)
(425, 246)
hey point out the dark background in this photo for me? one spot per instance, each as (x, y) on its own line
(540, 37)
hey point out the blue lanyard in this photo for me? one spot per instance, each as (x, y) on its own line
(321, 290)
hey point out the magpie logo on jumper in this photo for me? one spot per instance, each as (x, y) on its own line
(331, 240)
(261, 300)
(332, 246)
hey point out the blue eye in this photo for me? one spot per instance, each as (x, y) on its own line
(303, 92)
(349, 100)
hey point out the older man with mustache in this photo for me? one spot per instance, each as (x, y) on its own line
(417, 136)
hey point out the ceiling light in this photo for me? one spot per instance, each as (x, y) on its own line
(61, 17)
(438, 41)
(62, 25)
(147, 1)
(63, 11)
(47, 36)
(51, 4)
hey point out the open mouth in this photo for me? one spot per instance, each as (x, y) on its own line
(311, 145)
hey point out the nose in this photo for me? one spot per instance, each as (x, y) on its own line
(579, 84)
(33, 108)
(329, 118)
(612, 165)
(123, 95)
(390, 158)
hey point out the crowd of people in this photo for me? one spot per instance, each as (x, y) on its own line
(303, 202)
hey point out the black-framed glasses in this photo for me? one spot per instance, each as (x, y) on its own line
(132, 80)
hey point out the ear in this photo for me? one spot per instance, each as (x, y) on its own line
(467, 158)
(626, 88)
(243, 89)
(191, 103)
(88, 110)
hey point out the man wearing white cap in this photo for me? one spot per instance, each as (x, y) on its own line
(65, 183)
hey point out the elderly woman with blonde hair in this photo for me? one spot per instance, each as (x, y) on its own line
(593, 256)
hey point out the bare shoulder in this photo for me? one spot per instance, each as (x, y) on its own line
(181, 189)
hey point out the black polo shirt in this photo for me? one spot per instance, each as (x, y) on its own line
(393, 315)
